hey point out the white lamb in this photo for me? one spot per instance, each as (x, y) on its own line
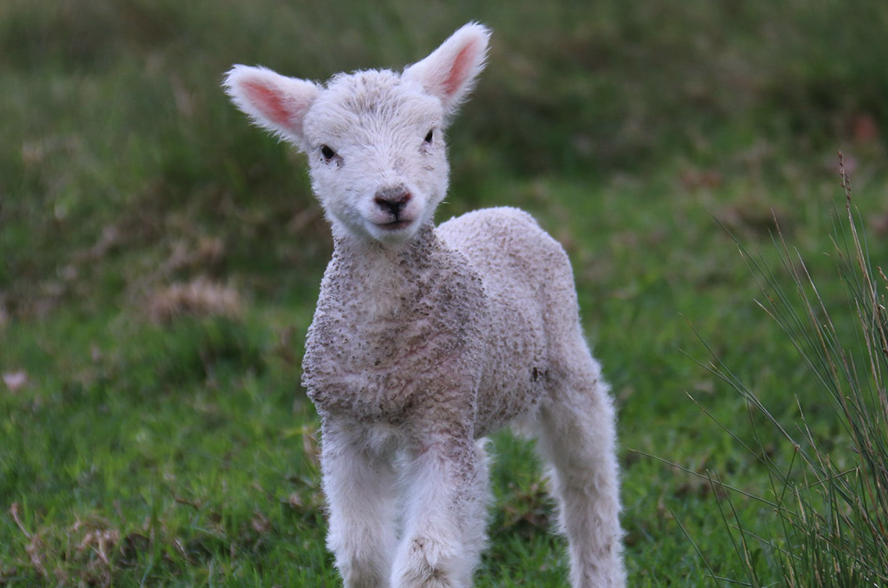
(425, 339)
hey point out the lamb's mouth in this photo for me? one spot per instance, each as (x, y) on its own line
(393, 231)
(395, 225)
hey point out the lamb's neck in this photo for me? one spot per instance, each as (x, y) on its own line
(378, 285)
(371, 263)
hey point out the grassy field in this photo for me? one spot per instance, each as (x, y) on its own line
(160, 260)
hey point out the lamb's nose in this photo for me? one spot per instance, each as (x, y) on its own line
(392, 200)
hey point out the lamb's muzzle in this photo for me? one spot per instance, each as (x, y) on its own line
(393, 203)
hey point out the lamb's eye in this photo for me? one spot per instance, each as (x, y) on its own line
(327, 152)
(430, 136)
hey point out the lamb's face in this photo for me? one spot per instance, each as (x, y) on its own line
(376, 153)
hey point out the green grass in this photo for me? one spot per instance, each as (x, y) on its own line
(828, 487)
(181, 452)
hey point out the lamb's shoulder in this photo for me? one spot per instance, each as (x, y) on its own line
(388, 340)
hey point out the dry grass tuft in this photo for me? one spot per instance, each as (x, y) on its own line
(199, 297)
(83, 554)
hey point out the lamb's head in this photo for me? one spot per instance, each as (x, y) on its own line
(374, 139)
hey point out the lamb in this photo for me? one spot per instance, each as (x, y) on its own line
(425, 340)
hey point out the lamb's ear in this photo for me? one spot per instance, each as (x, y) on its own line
(451, 70)
(272, 101)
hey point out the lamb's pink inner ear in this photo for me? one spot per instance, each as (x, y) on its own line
(268, 101)
(460, 69)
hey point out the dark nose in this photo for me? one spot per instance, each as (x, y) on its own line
(392, 200)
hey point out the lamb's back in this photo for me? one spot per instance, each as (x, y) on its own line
(513, 255)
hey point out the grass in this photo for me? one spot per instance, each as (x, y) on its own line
(140, 445)
(829, 489)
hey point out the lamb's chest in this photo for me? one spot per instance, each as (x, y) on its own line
(382, 369)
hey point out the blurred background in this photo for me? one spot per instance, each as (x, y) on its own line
(136, 204)
(119, 145)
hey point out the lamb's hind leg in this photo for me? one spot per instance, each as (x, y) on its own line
(576, 437)
(359, 484)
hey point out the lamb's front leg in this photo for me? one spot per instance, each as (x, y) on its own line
(359, 484)
(445, 516)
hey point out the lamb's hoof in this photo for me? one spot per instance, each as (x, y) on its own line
(429, 564)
